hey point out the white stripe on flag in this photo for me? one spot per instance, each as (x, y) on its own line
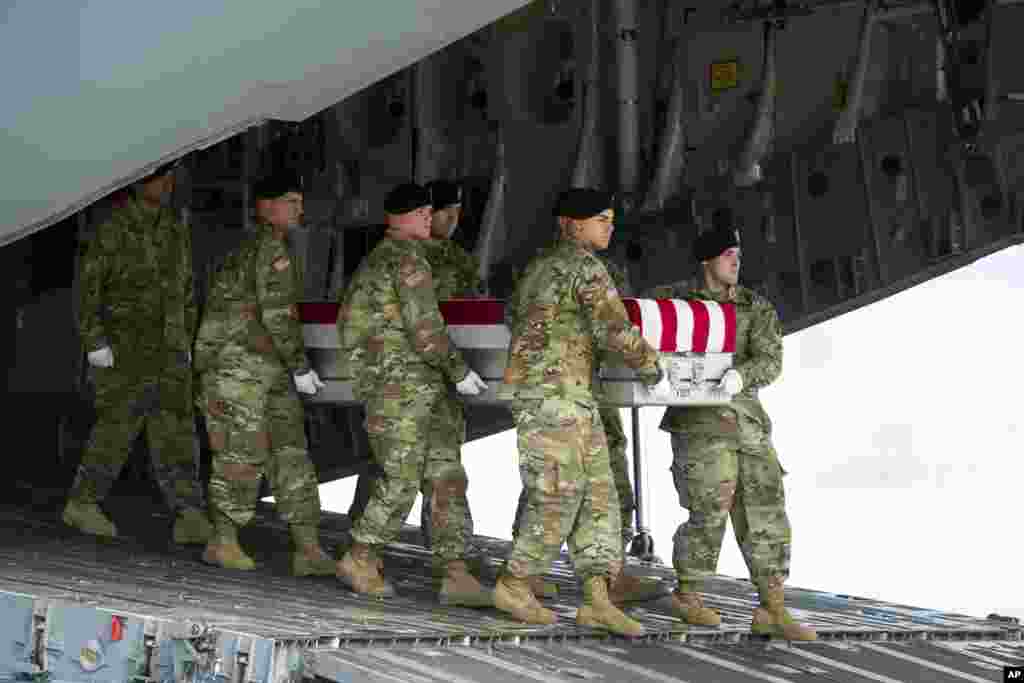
(480, 336)
(320, 336)
(651, 318)
(684, 329)
(716, 326)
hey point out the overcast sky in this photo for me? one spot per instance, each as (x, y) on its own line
(900, 426)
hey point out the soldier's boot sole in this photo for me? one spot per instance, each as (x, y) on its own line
(543, 589)
(312, 564)
(192, 527)
(632, 589)
(780, 625)
(228, 556)
(89, 519)
(610, 618)
(695, 614)
(363, 578)
(520, 603)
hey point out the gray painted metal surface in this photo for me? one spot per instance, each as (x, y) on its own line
(157, 81)
(178, 615)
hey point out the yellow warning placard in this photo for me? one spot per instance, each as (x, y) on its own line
(724, 75)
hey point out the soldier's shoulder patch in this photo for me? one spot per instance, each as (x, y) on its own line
(281, 263)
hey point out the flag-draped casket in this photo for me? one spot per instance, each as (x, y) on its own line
(476, 326)
(694, 338)
(696, 341)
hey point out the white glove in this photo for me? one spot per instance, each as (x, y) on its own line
(308, 383)
(101, 358)
(471, 384)
(663, 386)
(732, 382)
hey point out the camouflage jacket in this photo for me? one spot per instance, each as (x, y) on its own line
(565, 312)
(456, 272)
(251, 307)
(136, 292)
(393, 338)
(758, 358)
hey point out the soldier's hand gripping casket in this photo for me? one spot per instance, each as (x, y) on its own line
(101, 358)
(308, 383)
(471, 384)
(663, 387)
(731, 382)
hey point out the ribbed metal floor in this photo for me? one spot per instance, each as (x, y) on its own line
(345, 637)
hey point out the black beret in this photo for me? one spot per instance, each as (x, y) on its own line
(714, 241)
(582, 202)
(405, 198)
(444, 193)
(276, 185)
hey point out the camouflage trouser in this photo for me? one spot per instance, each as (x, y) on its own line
(563, 462)
(126, 403)
(448, 437)
(255, 422)
(616, 437)
(401, 433)
(737, 476)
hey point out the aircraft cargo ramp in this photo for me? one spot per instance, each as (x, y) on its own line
(139, 609)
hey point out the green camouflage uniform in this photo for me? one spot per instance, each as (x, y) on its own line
(456, 274)
(396, 344)
(248, 346)
(136, 296)
(611, 417)
(565, 312)
(724, 464)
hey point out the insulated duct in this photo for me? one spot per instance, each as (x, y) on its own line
(585, 172)
(426, 88)
(672, 149)
(755, 145)
(846, 125)
(492, 226)
(626, 34)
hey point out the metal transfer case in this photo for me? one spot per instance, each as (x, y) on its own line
(695, 340)
(476, 326)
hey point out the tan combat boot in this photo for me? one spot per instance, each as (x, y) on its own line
(359, 570)
(625, 588)
(542, 588)
(192, 527)
(597, 611)
(308, 558)
(513, 595)
(690, 608)
(772, 618)
(88, 518)
(223, 549)
(460, 588)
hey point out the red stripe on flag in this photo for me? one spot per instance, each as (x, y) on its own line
(729, 311)
(701, 327)
(669, 325)
(320, 313)
(473, 311)
(633, 311)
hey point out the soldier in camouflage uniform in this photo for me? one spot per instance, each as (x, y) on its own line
(397, 348)
(724, 464)
(137, 318)
(251, 361)
(566, 312)
(456, 275)
(627, 588)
